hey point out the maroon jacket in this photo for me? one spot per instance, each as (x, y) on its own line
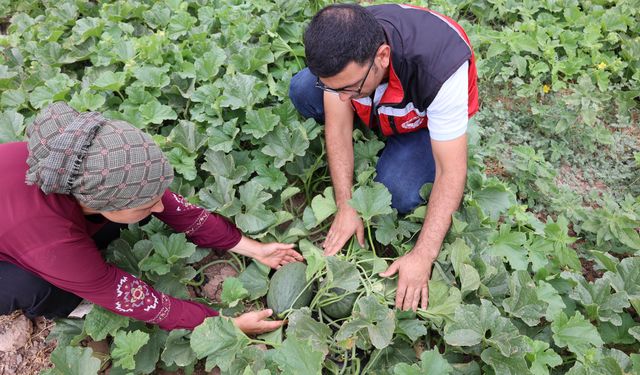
(50, 236)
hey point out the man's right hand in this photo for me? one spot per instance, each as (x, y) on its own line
(345, 224)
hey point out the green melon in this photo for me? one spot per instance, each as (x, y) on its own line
(341, 308)
(286, 284)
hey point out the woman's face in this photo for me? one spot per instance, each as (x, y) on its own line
(134, 215)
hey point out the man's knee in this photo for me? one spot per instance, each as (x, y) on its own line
(306, 98)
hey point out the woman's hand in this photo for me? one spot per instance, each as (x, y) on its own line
(273, 254)
(276, 254)
(256, 323)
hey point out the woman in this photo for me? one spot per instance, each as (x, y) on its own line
(83, 173)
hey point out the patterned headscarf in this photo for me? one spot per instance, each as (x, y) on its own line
(106, 165)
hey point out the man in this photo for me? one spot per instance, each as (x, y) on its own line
(408, 73)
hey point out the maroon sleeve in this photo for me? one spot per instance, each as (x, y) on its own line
(201, 227)
(78, 267)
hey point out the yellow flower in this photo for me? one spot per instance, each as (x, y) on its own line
(602, 66)
(546, 89)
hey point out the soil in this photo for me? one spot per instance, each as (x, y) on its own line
(25, 350)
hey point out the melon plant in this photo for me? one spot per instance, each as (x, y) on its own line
(342, 307)
(288, 288)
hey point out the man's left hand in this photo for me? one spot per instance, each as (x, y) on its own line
(277, 254)
(414, 272)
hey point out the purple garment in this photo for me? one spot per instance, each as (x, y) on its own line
(50, 236)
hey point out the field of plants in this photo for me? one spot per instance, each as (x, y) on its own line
(539, 274)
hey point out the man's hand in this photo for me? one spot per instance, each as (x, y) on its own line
(256, 323)
(276, 254)
(345, 224)
(414, 272)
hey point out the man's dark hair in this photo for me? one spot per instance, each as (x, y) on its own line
(338, 35)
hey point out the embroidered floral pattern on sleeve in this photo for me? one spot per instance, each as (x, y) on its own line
(182, 203)
(134, 294)
(164, 310)
(202, 218)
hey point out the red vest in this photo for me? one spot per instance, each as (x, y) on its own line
(426, 49)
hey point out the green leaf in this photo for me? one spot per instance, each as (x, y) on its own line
(510, 245)
(371, 201)
(174, 247)
(284, 144)
(233, 291)
(241, 91)
(147, 357)
(494, 199)
(73, 361)
(187, 135)
(219, 340)
(85, 100)
(100, 323)
(413, 328)
(541, 358)
(208, 66)
(434, 363)
(220, 164)
(375, 317)
(177, 350)
(524, 302)
(109, 81)
(126, 345)
(255, 220)
(152, 76)
(11, 126)
(324, 205)
(298, 357)
(303, 327)
(627, 279)
(504, 365)
(575, 333)
(472, 322)
(13, 98)
(255, 279)
(260, 122)
(155, 113)
(85, 28)
(316, 262)
(342, 274)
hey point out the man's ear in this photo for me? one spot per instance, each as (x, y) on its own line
(384, 54)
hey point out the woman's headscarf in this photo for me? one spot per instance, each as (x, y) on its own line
(106, 165)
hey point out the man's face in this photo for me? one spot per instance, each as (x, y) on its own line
(358, 80)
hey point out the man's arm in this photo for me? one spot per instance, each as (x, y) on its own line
(338, 136)
(448, 117)
(414, 268)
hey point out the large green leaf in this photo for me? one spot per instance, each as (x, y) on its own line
(233, 291)
(255, 279)
(524, 302)
(100, 323)
(219, 340)
(297, 356)
(284, 144)
(177, 349)
(174, 247)
(374, 317)
(73, 361)
(371, 201)
(126, 346)
(575, 333)
(302, 326)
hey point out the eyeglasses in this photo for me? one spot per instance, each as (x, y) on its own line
(346, 90)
